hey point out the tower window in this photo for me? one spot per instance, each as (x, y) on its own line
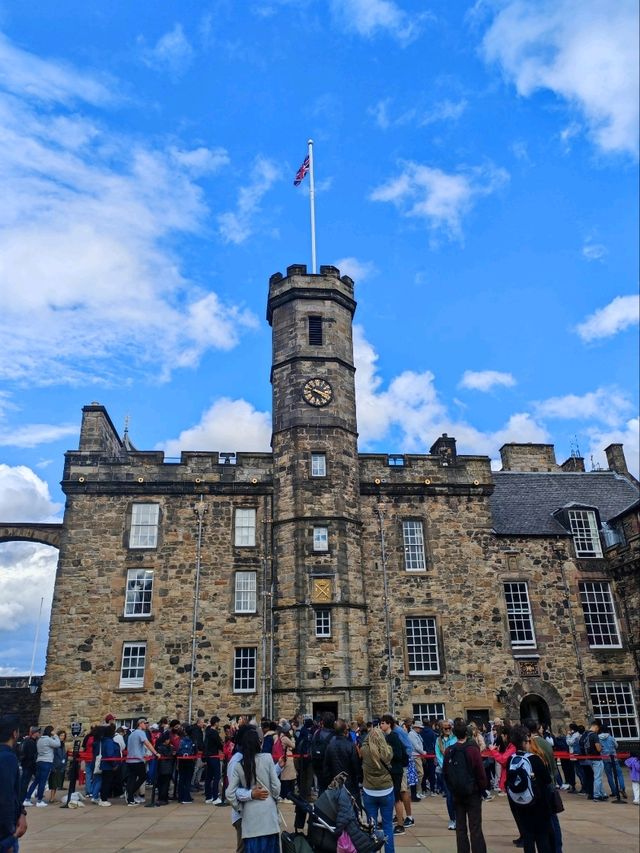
(245, 528)
(133, 661)
(323, 623)
(315, 331)
(144, 526)
(139, 592)
(320, 538)
(318, 465)
(413, 540)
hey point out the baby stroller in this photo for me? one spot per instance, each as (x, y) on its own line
(334, 812)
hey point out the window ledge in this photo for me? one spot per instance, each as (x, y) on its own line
(150, 618)
(130, 690)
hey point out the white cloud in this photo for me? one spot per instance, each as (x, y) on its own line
(172, 51)
(359, 271)
(90, 289)
(441, 199)
(445, 110)
(607, 405)
(621, 313)
(49, 80)
(585, 52)
(27, 574)
(368, 18)
(24, 496)
(32, 435)
(485, 380)
(627, 434)
(411, 413)
(593, 251)
(237, 225)
(228, 425)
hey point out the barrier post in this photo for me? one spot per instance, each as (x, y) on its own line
(154, 778)
(614, 769)
(73, 772)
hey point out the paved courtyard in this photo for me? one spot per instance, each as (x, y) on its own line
(587, 828)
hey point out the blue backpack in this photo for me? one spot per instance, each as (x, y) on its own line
(186, 746)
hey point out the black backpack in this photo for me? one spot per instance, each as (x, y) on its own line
(582, 743)
(457, 771)
(319, 746)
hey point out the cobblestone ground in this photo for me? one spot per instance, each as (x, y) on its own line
(587, 827)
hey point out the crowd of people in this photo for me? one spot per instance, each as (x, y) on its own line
(387, 765)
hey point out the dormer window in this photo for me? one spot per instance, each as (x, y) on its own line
(584, 529)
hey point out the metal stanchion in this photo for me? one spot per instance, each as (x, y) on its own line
(154, 779)
(73, 772)
(614, 768)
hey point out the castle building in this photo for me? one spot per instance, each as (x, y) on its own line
(318, 578)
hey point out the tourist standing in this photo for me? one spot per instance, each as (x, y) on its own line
(466, 779)
(47, 742)
(377, 783)
(13, 822)
(137, 747)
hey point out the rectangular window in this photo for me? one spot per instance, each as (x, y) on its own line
(599, 615)
(244, 670)
(320, 538)
(133, 660)
(519, 615)
(144, 526)
(413, 539)
(245, 531)
(323, 623)
(315, 331)
(245, 597)
(429, 711)
(318, 465)
(613, 703)
(584, 528)
(422, 646)
(395, 460)
(139, 593)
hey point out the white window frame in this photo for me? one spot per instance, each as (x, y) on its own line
(429, 711)
(323, 622)
(134, 659)
(246, 592)
(584, 529)
(614, 703)
(143, 532)
(413, 544)
(423, 654)
(245, 660)
(318, 464)
(320, 539)
(245, 527)
(138, 597)
(519, 616)
(603, 631)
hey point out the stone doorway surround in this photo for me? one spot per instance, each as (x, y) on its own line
(544, 691)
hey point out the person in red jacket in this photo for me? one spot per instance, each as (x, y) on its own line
(466, 779)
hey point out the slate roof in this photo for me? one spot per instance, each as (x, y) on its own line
(523, 502)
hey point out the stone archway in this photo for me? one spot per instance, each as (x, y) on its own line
(534, 707)
(549, 702)
(45, 534)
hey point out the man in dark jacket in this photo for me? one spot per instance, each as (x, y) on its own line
(429, 738)
(465, 777)
(13, 823)
(212, 751)
(319, 746)
(28, 760)
(341, 757)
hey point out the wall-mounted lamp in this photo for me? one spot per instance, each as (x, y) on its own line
(325, 672)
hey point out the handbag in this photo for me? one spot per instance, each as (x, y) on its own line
(345, 844)
(557, 805)
(97, 770)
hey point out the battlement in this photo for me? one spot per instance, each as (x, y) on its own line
(298, 284)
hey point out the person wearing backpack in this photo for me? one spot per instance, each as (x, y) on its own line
(466, 779)
(446, 738)
(528, 781)
(186, 748)
(319, 745)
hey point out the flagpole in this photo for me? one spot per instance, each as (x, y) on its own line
(312, 202)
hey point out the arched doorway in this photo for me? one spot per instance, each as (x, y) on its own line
(534, 707)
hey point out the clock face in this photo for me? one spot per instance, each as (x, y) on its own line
(317, 392)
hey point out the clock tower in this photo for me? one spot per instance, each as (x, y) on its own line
(318, 604)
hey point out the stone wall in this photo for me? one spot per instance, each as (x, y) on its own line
(17, 698)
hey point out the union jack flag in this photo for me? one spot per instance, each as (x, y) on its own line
(302, 171)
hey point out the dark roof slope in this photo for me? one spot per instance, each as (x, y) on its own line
(524, 502)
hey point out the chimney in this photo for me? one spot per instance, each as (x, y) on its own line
(528, 457)
(573, 463)
(616, 460)
(445, 448)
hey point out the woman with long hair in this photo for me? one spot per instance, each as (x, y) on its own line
(253, 792)
(377, 785)
(533, 818)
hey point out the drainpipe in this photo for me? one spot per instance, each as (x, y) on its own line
(267, 614)
(385, 587)
(200, 510)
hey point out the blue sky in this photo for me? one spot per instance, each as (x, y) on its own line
(476, 172)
